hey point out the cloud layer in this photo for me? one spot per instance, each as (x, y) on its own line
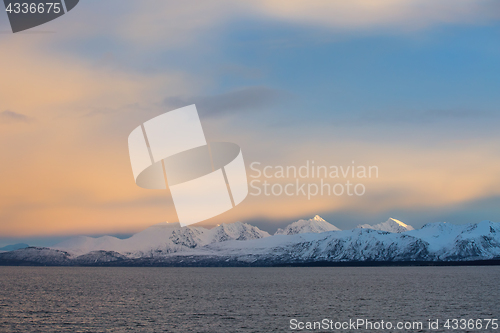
(106, 70)
(8, 117)
(249, 99)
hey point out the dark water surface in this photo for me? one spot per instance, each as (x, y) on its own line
(79, 299)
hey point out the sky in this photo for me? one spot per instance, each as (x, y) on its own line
(409, 86)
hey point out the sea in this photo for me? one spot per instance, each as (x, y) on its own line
(287, 299)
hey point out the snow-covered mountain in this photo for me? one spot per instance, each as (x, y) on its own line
(315, 225)
(162, 238)
(391, 225)
(434, 242)
(241, 244)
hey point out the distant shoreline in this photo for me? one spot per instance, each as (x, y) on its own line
(131, 263)
(492, 262)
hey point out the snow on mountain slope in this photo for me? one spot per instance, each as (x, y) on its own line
(449, 241)
(162, 238)
(391, 225)
(166, 244)
(236, 231)
(348, 245)
(315, 225)
(438, 235)
(36, 255)
(152, 238)
(437, 241)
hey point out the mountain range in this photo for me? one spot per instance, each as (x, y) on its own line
(304, 242)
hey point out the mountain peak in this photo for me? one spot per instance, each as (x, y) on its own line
(163, 237)
(318, 218)
(398, 222)
(315, 225)
(391, 225)
(237, 231)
